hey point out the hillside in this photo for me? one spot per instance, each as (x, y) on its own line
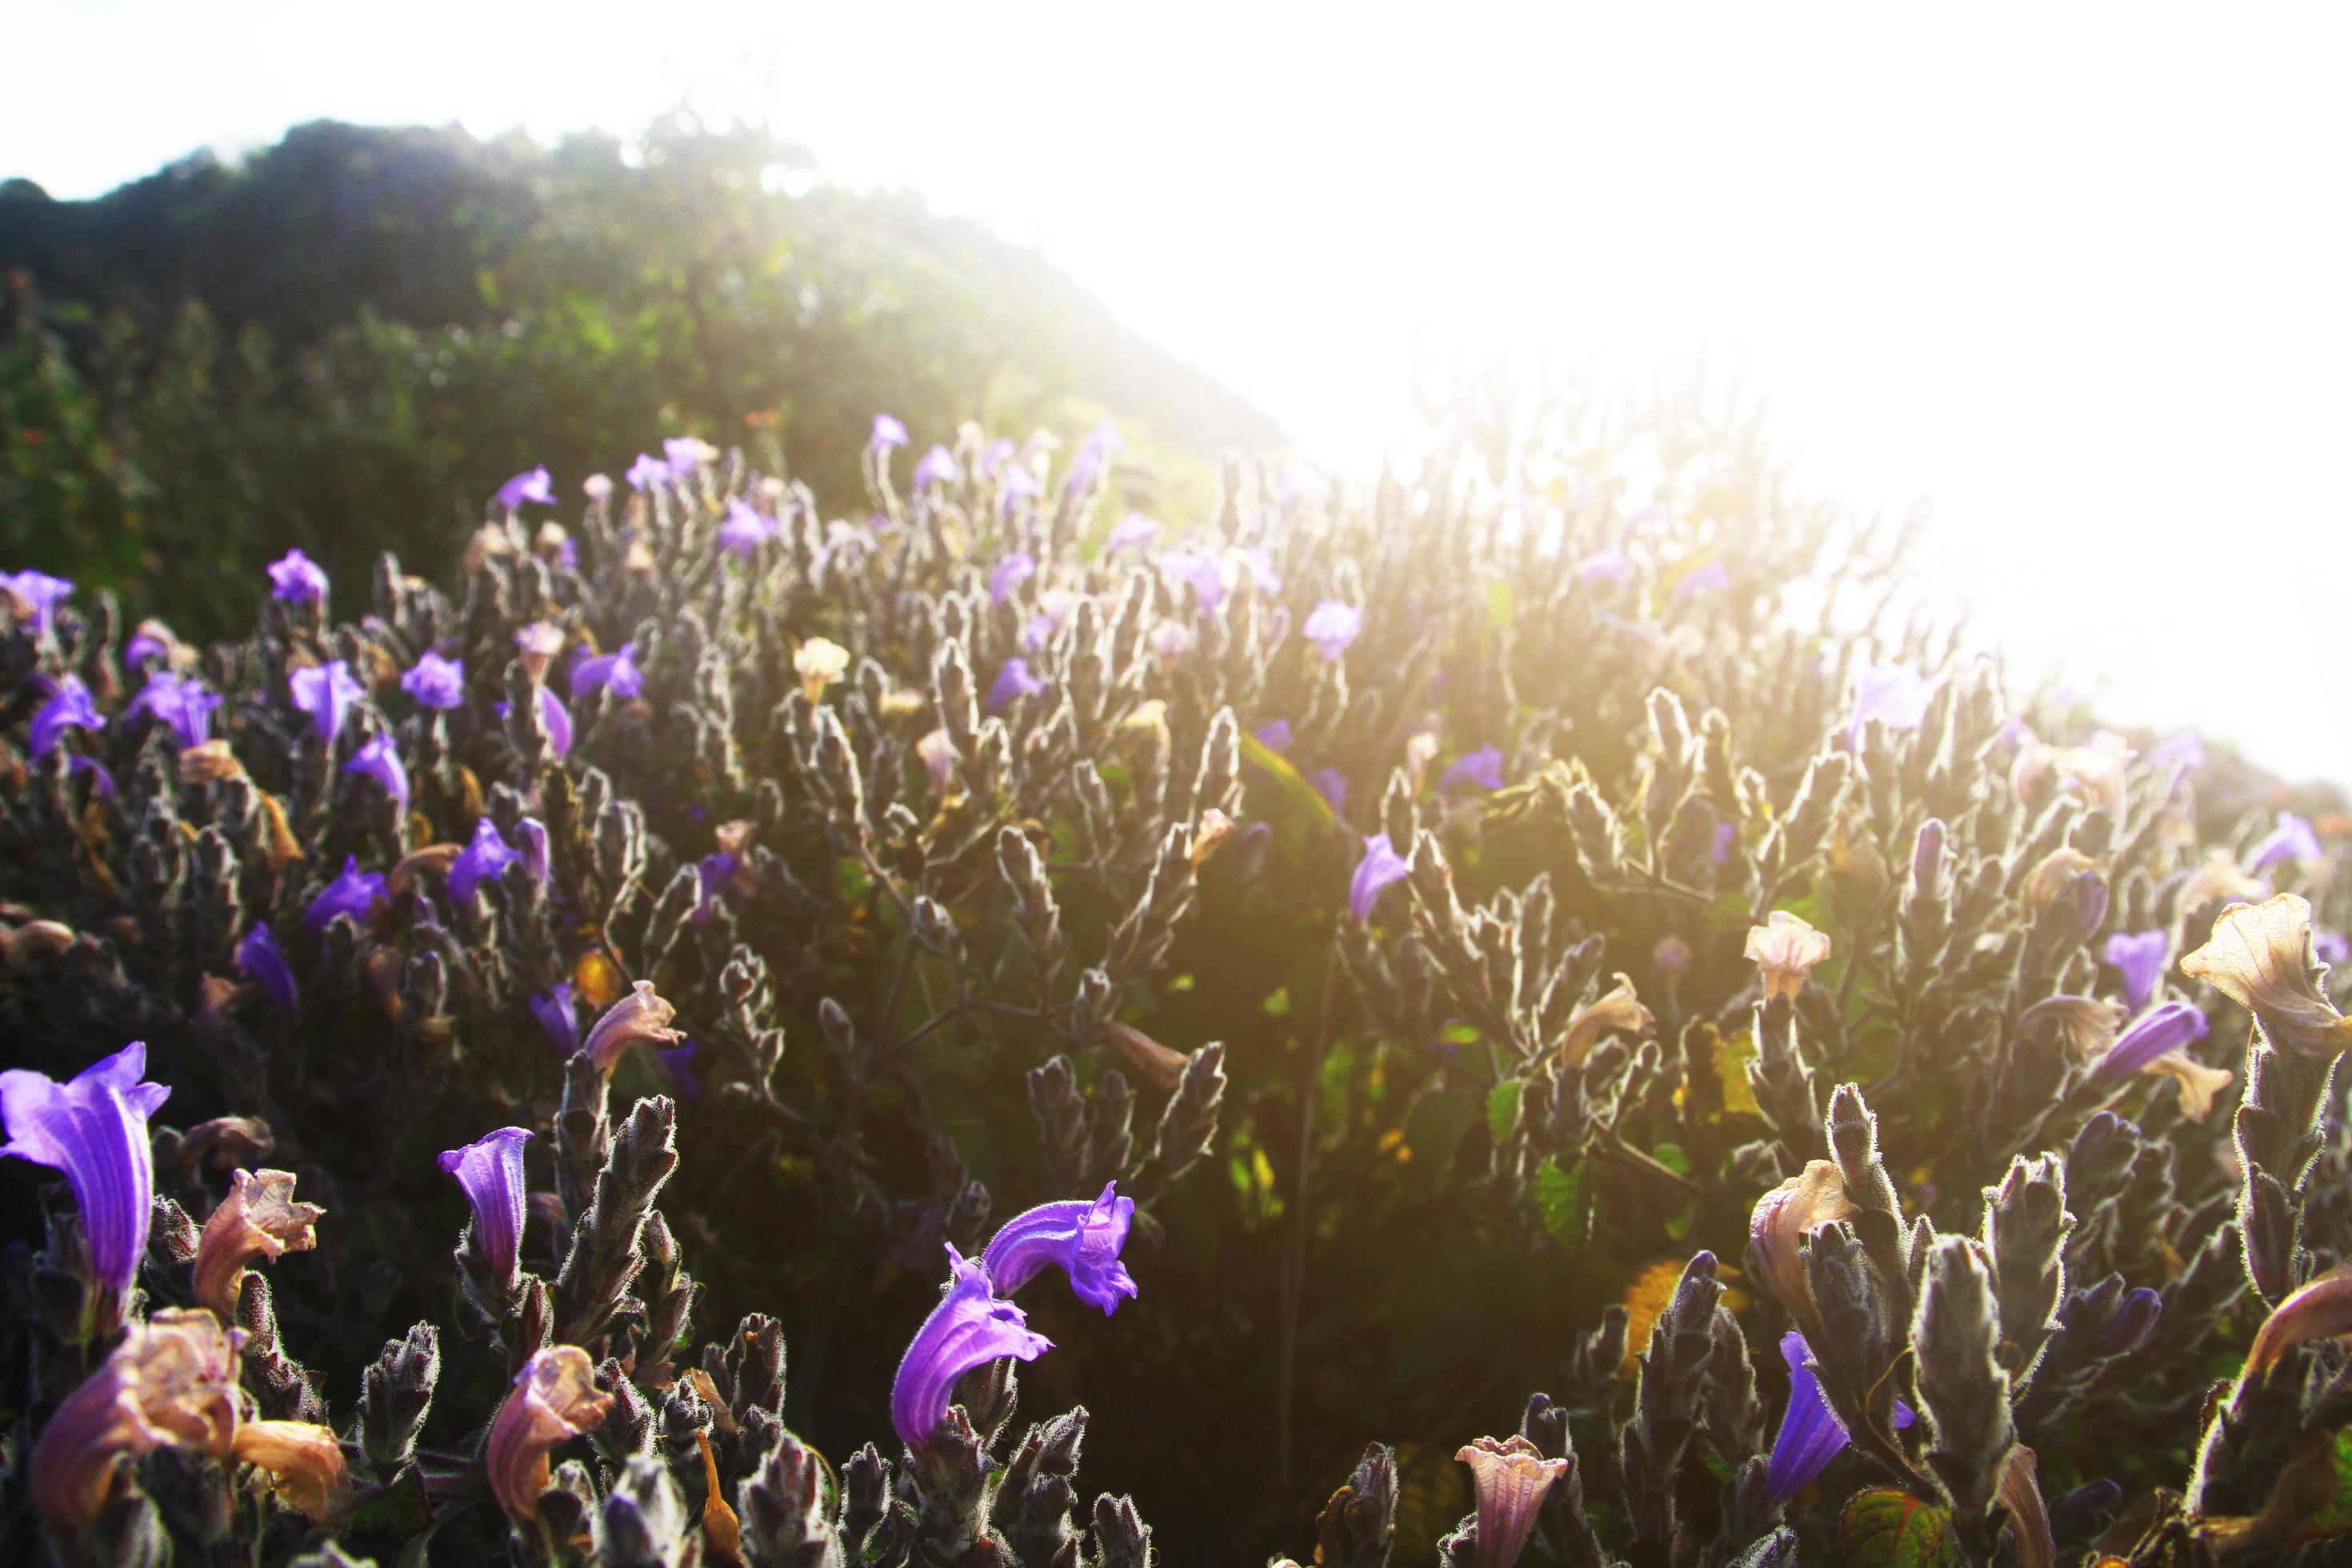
(327, 343)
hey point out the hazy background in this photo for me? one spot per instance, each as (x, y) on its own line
(2077, 280)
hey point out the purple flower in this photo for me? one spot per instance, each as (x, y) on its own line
(2156, 1033)
(1259, 563)
(530, 843)
(533, 485)
(102, 782)
(1134, 531)
(647, 472)
(745, 529)
(1712, 578)
(491, 1170)
(326, 693)
(2331, 948)
(679, 1063)
(888, 433)
(993, 456)
(1203, 571)
(1332, 627)
(1333, 785)
(2140, 956)
(298, 579)
(557, 1017)
(682, 455)
(2181, 753)
(356, 893)
(94, 1129)
(1811, 1433)
(1082, 1238)
(70, 709)
(436, 682)
(1381, 866)
(1481, 769)
(182, 704)
(1085, 465)
(2133, 1319)
(937, 468)
(715, 875)
(1012, 681)
(1607, 565)
(1275, 736)
(968, 1328)
(617, 670)
(486, 858)
(154, 639)
(2292, 839)
(1010, 573)
(36, 594)
(1894, 694)
(380, 760)
(261, 960)
(553, 717)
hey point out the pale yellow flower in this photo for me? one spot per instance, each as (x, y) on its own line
(1784, 949)
(2260, 957)
(819, 662)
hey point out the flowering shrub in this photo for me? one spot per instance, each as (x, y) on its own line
(1399, 951)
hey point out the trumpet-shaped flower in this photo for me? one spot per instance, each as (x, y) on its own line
(553, 717)
(1012, 683)
(971, 1327)
(1481, 769)
(380, 760)
(436, 682)
(554, 1398)
(297, 579)
(642, 1015)
(305, 1464)
(486, 858)
(326, 693)
(745, 529)
(1133, 531)
(262, 960)
(1273, 735)
(2139, 958)
(1010, 572)
(1782, 1219)
(93, 1128)
(888, 432)
(259, 1218)
(937, 468)
(357, 893)
(1510, 1477)
(1784, 950)
(1609, 565)
(558, 1015)
(2260, 958)
(685, 454)
(647, 472)
(182, 704)
(1380, 867)
(2154, 1034)
(1082, 1238)
(1331, 625)
(2319, 1310)
(35, 596)
(819, 662)
(151, 641)
(70, 708)
(618, 670)
(1810, 1434)
(2292, 839)
(171, 1382)
(490, 1170)
(1618, 1010)
(1893, 694)
(531, 485)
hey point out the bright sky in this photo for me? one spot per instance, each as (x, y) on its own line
(2076, 277)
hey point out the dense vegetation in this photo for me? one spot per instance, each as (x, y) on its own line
(328, 344)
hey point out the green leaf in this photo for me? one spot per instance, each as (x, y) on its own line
(400, 1508)
(1294, 784)
(1502, 1109)
(1672, 1157)
(1886, 1527)
(1566, 1199)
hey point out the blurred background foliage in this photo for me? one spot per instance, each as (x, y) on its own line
(332, 342)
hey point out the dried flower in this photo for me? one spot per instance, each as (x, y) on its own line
(939, 757)
(210, 761)
(1381, 866)
(1157, 1065)
(171, 1382)
(326, 693)
(2087, 1024)
(970, 1327)
(538, 643)
(2218, 878)
(491, 1170)
(304, 1462)
(533, 485)
(642, 1015)
(2054, 874)
(436, 682)
(297, 579)
(1618, 1011)
(2260, 957)
(1782, 1219)
(2199, 1083)
(258, 1219)
(1082, 1238)
(357, 893)
(380, 760)
(1510, 1477)
(819, 662)
(2319, 1310)
(554, 1399)
(1481, 769)
(93, 1128)
(1784, 950)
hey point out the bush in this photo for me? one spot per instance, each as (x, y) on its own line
(1400, 952)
